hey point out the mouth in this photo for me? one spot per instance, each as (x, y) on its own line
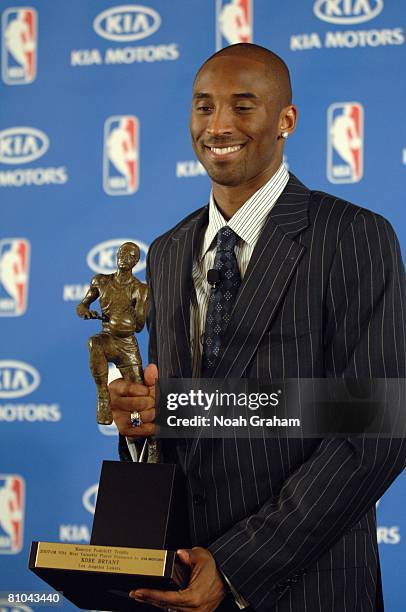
(223, 152)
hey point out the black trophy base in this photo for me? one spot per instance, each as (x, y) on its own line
(140, 521)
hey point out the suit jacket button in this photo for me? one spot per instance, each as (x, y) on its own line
(199, 500)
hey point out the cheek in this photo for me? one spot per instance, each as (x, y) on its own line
(196, 131)
(194, 146)
(196, 127)
(266, 141)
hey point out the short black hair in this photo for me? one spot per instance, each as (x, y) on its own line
(278, 70)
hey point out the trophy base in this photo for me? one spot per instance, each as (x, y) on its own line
(101, 577)
(139, 523)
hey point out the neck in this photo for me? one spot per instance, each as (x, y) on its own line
(230, 198)
(123, 276)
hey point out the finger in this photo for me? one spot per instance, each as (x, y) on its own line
(124, 418)
(147, 416)
(129, 404)
(151, 375)
(145, 431)
(172, 599)
(123, 422)
(125, 388)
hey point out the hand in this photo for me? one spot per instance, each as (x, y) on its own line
(127, 397)
(205, 590)
(85, 313)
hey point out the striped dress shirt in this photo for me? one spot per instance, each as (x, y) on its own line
(247, 223)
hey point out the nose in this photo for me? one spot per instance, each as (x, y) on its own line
(220, 122)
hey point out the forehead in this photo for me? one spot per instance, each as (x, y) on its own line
(233, 74)
(127, 247)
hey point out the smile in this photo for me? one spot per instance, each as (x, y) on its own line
(223, 151)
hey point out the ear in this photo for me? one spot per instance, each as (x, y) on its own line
(287, 119)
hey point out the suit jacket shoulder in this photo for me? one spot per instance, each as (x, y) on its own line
(340, 213)
(183, 224)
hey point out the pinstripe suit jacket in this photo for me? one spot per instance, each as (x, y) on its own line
(292, 522)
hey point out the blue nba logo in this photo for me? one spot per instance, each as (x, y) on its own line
(19, 45)
(234, 22)
(120, 163)
(14, 273)
(11, 513)
(345, 142)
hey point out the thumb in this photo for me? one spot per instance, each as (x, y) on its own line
(185, 556)
(151, 375)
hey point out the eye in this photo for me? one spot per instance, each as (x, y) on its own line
(244, 108)
(203, 108)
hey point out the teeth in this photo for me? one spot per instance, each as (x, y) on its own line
(225, 150)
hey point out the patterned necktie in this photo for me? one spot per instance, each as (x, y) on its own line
(222, 297)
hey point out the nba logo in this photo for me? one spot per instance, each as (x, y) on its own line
(14, 270)
(345, 142)
(120, 164)
(234, 23)
(11, 513)
(19, 35)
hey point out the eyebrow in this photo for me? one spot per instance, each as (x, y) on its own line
(244, 94)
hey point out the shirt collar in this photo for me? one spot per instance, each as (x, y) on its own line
(249, 219)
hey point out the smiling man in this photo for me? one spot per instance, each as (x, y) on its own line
(273, 281)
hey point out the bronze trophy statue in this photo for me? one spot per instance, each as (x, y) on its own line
(124, 303)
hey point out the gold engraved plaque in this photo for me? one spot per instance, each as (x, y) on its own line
(110, 559)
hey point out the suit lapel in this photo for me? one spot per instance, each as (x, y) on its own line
(271, 267)
(183, 248)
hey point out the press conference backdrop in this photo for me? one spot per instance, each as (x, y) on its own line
(95, 150)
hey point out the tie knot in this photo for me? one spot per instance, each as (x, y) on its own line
(226, 239)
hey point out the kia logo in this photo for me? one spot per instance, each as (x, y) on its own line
(20, 145)
(347, 11)
(89, 498)
(128, 22)
(102, 258)
(17, 379)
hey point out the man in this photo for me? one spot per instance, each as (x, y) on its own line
(123, 300)
(285, 524)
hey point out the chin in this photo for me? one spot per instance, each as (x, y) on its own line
(224, 178)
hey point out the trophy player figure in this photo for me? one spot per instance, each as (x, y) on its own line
(124, 303)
